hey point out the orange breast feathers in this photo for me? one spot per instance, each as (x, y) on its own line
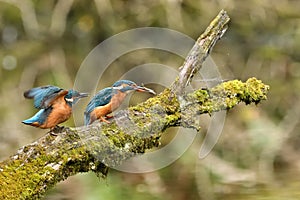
(101, 111)
(60, 113)
(117, 99)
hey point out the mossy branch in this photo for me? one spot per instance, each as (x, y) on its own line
(40, 165)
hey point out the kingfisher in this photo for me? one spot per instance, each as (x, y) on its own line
(109, 99)
(55, 105)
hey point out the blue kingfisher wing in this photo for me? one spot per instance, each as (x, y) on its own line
(44, 96)
(102, 98)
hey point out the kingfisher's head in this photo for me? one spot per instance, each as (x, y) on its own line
(130, 86)
(73, 96)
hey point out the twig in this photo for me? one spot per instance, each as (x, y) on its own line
(59, 17)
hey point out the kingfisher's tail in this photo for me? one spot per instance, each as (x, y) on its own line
(29, 121)
(35, 120)
(86, 118)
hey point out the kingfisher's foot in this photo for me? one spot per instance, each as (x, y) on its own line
(108, 116)
(53, 133)
(56, 129)
(104, 120)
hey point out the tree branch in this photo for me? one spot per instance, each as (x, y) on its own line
(40, 165)
(200, 51)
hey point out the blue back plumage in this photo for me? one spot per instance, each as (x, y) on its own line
(42, 95)
(121, 82)
(102, 98)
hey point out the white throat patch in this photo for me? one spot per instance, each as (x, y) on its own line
(70, 100)
(118, 88)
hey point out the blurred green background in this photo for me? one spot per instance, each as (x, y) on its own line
(257, 155)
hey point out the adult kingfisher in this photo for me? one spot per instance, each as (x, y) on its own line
(109, 99)
(55, 105)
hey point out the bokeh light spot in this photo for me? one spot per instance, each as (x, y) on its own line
(9, 62)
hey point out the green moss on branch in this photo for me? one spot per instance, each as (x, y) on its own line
(40, 165)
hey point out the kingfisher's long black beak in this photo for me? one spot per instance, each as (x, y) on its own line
(144, 89)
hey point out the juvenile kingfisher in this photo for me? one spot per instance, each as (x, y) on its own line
(109, 99)
(55, 105)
